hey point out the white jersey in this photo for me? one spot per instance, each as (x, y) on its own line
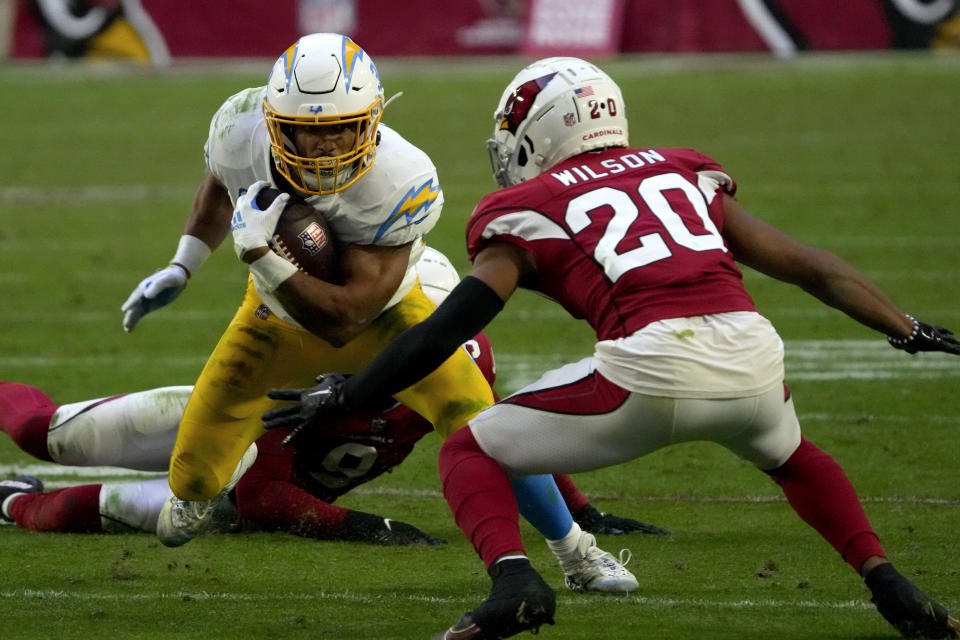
(396, 202)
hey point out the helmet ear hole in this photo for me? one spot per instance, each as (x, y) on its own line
(522, 157)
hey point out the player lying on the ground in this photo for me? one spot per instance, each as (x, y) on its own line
(285, 490)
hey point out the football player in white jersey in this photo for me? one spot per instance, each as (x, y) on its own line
(315, 131)
(641, 244)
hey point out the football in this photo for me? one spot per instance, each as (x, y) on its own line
(302, 236)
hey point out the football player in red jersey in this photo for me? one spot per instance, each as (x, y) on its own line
(284, 490)
(642, 244)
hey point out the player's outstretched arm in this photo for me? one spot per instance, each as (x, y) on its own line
(373, 529)
(272, 504)
(206, 228)
(829, 278)
(925, 337)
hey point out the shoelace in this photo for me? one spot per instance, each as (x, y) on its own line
(595, 552)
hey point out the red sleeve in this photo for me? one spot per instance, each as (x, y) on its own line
(278, 505)
(269, 499)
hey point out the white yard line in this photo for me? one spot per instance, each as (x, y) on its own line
(68, 476)
(817, 360)
(95, 193)
(406, 596)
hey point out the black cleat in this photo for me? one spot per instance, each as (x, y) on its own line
(519, 600)
(15, 487)
(912, 612)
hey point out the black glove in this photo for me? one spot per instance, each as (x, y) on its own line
(366, 527)
(313, 408)
(926, 337)
(595, 521)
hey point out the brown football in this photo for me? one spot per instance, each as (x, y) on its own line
(303, 236)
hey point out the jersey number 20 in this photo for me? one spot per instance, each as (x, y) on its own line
(625, 211)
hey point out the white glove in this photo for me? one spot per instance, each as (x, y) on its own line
(156, 290)
(252, 228)
(163, 286)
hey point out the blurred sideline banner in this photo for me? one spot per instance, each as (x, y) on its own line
(157, 31)
(573, 28)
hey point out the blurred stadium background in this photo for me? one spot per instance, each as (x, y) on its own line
(838, 120)
(159, 32)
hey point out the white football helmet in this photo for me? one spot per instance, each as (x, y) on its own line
(552, 110)
(323, 80)
(437, 274)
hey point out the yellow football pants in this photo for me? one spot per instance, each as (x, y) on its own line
(256, 354)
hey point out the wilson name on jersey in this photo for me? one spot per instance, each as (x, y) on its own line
(622, 237)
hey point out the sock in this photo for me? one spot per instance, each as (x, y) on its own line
(566, 549)
(126, 506)
(542, 505)
(25, 414)
(571, 493)
(820, 492)
(480, 497)
(70, 510)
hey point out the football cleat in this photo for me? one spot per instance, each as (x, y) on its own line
(519, 601)
(16, 487)
(596, 570)
(907, 608)
(180, 521)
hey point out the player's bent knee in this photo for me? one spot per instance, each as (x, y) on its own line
(191, 478)
(458, 446)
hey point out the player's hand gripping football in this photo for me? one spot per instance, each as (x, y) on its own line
(155, 291)
(312, 409)
(251, 226)
(927, 337)
(594, 521)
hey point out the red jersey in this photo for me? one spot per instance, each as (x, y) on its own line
(622, 237)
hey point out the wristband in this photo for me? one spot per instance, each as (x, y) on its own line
(902, 342)
(191, 253)
(270, 270)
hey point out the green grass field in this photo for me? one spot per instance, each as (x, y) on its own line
(860, 155)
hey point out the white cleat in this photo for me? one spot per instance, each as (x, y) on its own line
(180, 521)
(598, 571)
